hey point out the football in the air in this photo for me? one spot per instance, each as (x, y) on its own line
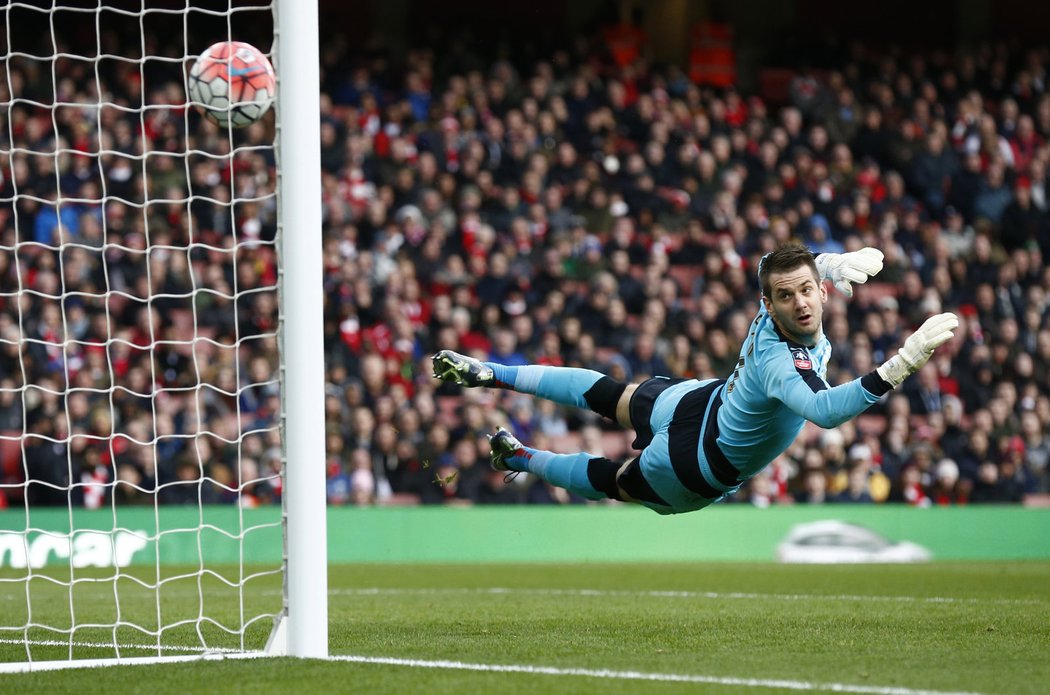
(232, 83)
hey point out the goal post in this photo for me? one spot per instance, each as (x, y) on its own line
(299, 137)
(162, 481)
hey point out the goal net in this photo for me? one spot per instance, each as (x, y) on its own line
(142, 419)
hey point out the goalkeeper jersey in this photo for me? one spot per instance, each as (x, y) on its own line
(776, 386)
(703, 439)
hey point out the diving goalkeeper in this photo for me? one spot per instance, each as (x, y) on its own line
(699, 441)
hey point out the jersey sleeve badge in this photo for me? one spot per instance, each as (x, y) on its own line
(801, 357)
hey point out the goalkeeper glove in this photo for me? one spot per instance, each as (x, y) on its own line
(844, 268)
(917, 349)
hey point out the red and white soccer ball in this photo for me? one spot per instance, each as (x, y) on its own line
(232, 83)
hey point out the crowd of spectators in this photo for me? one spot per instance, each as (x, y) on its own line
(574, 211)
(610, 216)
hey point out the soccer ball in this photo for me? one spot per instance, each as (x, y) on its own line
(232, 83)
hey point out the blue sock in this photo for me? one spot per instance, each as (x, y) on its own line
(564, 385)
(564, 470)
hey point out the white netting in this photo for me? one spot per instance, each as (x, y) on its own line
(140, 446)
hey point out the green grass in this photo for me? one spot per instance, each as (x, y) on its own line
(945, 627)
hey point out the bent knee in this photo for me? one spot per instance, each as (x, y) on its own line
(604, 395)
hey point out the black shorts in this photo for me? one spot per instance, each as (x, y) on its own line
(641, 407)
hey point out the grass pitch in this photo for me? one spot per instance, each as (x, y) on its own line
(614, 628)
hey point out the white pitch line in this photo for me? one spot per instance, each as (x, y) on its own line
(643, 676)
(717, 595)
(200, 653)
(62, 665)
(111, 645)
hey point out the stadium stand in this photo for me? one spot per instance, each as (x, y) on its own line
(582, 211)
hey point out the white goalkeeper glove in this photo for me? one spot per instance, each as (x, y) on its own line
(845, 268)
(917, 349)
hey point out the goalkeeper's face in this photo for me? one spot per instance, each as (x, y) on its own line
(797, 304)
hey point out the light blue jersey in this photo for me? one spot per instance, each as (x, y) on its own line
(709, 437)
(776, 386)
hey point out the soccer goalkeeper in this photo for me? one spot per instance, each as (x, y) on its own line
(701, 440)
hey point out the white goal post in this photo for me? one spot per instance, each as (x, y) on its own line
(299, 130)
(162, 444)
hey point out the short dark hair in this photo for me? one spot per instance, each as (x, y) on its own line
(785, 259)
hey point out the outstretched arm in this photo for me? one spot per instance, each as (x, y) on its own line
(808, 395)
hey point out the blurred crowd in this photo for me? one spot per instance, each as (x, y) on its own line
(138, 276)
(575, 211)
